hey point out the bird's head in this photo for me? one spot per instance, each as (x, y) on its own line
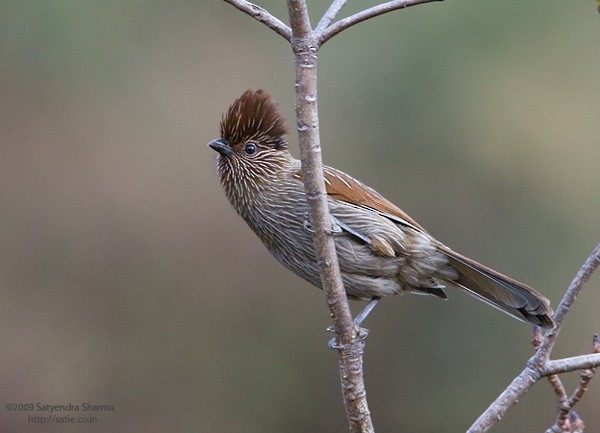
(252, 147)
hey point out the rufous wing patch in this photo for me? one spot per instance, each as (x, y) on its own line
(343, 187)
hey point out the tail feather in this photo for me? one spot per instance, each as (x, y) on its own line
(508, 295)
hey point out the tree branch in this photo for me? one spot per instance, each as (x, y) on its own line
(539, 365)
(584, 274)
(263, 16)
(374, 11)
(567, 419)
(306, 48)
(525, 380)
(573, 363)
(518, 387)
(329, 16)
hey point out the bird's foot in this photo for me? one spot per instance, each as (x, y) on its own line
(360, 334)
(336, 227)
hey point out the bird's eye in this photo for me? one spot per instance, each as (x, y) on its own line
(250, 148)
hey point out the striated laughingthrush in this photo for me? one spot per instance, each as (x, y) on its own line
(381, 250)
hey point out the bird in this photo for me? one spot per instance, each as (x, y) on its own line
(381, 250)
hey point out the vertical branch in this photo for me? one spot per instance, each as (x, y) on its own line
(306, 48)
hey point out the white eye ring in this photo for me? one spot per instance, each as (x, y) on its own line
(250, 148)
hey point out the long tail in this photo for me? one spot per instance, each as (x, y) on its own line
(508, 295)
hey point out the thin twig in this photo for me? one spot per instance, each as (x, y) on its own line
(521, 384)
(374, 11)
(585, 377)
(584, 274)
(554, 379)
(539, 365)
(567, 419)
(574, 363)
(329, 15)
(559, 389)
(518, 387)
(263, 16)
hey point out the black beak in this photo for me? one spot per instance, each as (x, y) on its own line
(221, 146)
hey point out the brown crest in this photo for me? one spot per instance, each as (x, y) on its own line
(254, 116)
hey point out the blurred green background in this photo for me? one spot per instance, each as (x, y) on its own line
(127, 278)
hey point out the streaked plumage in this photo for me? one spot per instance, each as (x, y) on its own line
(381, 250)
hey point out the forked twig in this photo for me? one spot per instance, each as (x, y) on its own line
(540, 365)
(372, 12)
(567, 419)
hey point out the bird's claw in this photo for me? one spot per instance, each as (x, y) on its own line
(336, 229)
(360, 334)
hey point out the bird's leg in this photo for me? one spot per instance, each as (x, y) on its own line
(306, 224)
(336, 227)
(365, 312)
(361, 333)
(341, 228)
